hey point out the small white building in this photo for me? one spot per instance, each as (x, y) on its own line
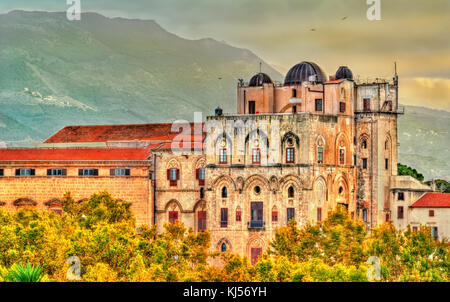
(432, 210)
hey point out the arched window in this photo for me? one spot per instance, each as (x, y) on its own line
(291, 192)
(223, 247)
(224, 192)
(294, 93)
(364, 144)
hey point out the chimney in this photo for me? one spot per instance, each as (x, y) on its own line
(433, 185)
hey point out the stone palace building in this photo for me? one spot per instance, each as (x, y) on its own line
(294, 150)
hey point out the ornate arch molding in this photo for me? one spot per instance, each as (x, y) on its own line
(201, 162)
(320, 141)
(255, 241)
(224, 240)
(290, 179)
(173, 163)
(222, 136)
(24, 202)
(223, 179)
(172, 202)
(258, 133)
(289, 135)
(320, 180)
(256, 178)
(341, 137)
(200, 205)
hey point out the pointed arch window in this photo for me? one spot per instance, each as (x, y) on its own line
(320, 155)
(291, 192)
(224, 192)
(223, 247)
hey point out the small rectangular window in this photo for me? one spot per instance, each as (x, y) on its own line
(354, 160)
(274, 216)
(342, 107)
(201, 218)
(173, 175)
(290, 214)
(364, 215)
(364, 163)
(400, 212)
(290, 155)
(319, 214)
(2, 172)
(401, 196)
(25, 172)
(88, 172)
(386, 163)
(120, 172)
(256, 156)
(238, 216)
(431, 213)
(224, 217)
(56, 172)
(320, 155)
(223, 156)
(434, 233)
(319, 105)
(366, 104)
(341, 156)
(251, 107)
(415, 229)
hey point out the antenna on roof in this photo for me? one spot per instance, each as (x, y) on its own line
(395, 68)
(260, 66)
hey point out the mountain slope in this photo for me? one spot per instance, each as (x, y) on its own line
(57, 72)
(424, 137)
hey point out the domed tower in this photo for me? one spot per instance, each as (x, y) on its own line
(344, 73)
(259, 80)
(302, 72)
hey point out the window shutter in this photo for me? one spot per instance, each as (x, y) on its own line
(32, 172)
(64, 172)
(168, 174)
(112, 172)
(49, 172)
(80, 172)
(197, 173)
(17, 172)
(178, 174)
(127, 172)
(95, 172)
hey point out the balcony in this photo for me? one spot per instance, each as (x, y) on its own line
(256, 225)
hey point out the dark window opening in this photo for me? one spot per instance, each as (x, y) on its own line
(364, 144)
(202, 193)
(291, 192)
(201, 218)
(431, 213)
(366, 103)
(25, 172)
(401, 196)
(56, 172)
(319, 105)
(256, 211)
(2, 172)
(88, 172)
(400, 212)
(342, 107)
(224, 192)
(223, 248)
(257, 189)
(434, 233)
(364, 163)
(386, 163)
(251, 107)
(294, 93)
(223, 217)
(290, 214)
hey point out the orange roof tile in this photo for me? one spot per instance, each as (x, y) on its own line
(433, 200)
(69, 154)
(108, 133)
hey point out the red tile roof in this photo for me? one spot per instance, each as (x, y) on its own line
(334, 81)
(69, 154)
(433, 200)
(109, 133)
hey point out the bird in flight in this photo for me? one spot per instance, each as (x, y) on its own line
(313, 29)
(344, 18)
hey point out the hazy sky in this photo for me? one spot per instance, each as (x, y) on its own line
(415, 33)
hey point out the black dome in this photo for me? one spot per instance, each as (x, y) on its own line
(344, 73)
(260, 79)
(301, 73)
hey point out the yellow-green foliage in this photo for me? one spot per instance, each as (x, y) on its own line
(102, 233)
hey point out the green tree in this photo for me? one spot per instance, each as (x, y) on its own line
(406, 170)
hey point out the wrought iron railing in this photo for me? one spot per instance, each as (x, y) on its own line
(256, 224)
